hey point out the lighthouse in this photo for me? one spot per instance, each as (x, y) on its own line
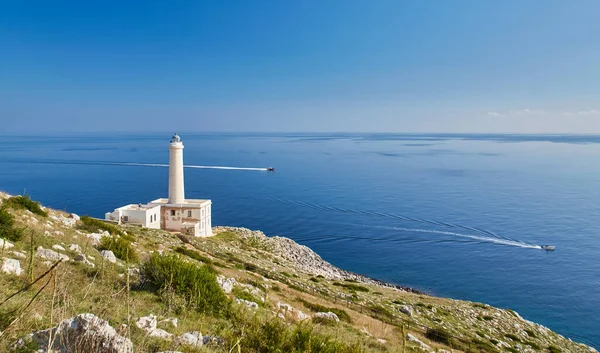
(175, 213)
(176, 188)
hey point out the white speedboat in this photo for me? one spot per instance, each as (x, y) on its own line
(548, 247)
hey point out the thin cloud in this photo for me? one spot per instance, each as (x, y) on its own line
(494, 114)
(588, 112)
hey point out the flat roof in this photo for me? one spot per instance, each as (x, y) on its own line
(137, 207)
(187, 203)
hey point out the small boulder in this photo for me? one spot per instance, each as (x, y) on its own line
(172, 320)
(285, 307)
(327, 316)
(5, 244)
(11, 266)
(212, 340)
(75, 247)
(406, 309)
(160, 333)
(50, 254)
(193, 339)
(75, 217)
(226, 283)
(108, 255)
(83, 333)
(58, 247)
(147, 323)
(19, 254)
(301, 316)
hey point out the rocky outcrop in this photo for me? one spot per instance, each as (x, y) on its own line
(83, 333)
(68, 222)
(11, 266)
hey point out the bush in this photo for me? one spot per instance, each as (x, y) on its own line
(95, 225)
(196, 284)
(438, 335)
(530, 333)
(121, 247)
(341, 314)
(512, 337)
(26, 203)
(351, 286)
(554, 349)
(7, 229)
(269, 335)
(193, 254)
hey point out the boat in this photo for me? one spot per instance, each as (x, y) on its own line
(548, 247)
(270, 169)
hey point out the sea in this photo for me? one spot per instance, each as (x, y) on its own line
(453, 215)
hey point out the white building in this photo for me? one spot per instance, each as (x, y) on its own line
(175, 213)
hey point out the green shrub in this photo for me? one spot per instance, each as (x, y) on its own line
(351, 286)
(95, 225)
(26, 203)
(269, 335)
(341, 314)
(276, 288)
(512, 350)
(7, 229)
(439, 335)
(554, 349)
(380, 310)
(286, 274)
(193, 254)
(196, 284)
(313, 279)
(512, 337)
(120, 247)
(530, 333)
(531, 344)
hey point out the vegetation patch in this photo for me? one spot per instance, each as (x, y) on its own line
(439, 335)
(240, 293)
(121, 247)
(554, 349)
(512, 337)
(95, 225)
(317, 308)
(193, 254)
(351, 286)
(8, 230)
(197, 285)
(530, 333)
(380, 310)
(25, 203)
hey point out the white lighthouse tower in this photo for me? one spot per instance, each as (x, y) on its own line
(176, 213)
(176, 188)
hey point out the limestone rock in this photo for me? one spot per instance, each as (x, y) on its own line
(226, 283)
(406, 309)
(83, 333)
(11, 266)
(5, 244)
(160, 333)
(19, 254)
(58, 247)
(412, 338)
(193, 339)
(251, 305)
(75, 247)
(147, 323)
(74, 216)
(108, 255)
(327, 316)
(172, 320)
(69, 222)
(50, 254)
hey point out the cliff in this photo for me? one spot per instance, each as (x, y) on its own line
(70, 283)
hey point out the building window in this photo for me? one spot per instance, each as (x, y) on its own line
(172, 212)
(189, 213)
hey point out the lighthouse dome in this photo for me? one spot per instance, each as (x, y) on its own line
(175, 138)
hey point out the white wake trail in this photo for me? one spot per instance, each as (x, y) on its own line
(475, 237)
(190, 166)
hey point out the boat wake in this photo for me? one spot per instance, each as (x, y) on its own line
(127, 164)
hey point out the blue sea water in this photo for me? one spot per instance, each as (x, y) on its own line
(452, 215)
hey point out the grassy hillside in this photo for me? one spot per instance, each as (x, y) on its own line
(197, 281)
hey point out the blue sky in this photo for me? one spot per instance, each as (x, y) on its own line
(390, 66)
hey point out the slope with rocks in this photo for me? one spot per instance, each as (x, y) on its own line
(275, 295)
